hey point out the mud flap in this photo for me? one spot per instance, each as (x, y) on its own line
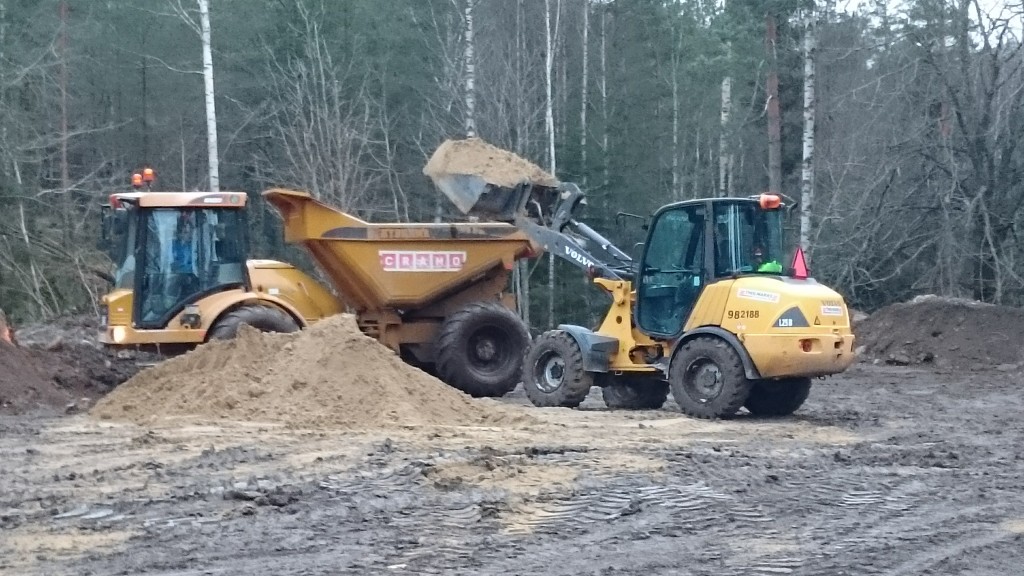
(597, 349)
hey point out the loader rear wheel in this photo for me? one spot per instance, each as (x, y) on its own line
(553, 373)
(628, 392)
(262, 318)
(479, 348)
(779, 397)
(707, 378)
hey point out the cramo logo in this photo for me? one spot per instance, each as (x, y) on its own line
(578, 257)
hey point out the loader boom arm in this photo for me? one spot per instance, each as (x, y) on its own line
(573, 241)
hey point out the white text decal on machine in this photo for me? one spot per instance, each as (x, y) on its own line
(421, 261)
(759, 295)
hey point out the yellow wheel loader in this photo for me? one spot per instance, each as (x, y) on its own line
(708, 312)
(182, 276)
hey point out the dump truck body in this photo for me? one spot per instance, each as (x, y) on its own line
(407, 282)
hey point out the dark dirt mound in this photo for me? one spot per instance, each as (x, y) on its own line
(24, 383)
(58, 364)
(945, 332)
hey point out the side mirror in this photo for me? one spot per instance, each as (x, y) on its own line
(106, 218)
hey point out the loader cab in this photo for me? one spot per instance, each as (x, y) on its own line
(694, 243)
(172, 249)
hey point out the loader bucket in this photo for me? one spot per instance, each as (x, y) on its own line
(397, 266)
(483, 180)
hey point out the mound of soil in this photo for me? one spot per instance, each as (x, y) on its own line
(477, 157)
(56, 365)
(25, 384)
(947, 332)
(329, 375)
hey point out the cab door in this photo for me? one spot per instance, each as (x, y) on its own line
(672, 271)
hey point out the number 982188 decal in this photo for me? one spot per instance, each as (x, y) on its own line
(741, 314)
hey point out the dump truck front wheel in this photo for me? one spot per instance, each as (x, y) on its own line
(707, 378)
(553, 373)
(630, 392)
(479, 349)
(262, 318)
(779, 397)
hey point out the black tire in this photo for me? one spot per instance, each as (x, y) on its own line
(779, 397)
(553, 373)
(263, 318)
(694, 363)
(479, 349)
(630, 392)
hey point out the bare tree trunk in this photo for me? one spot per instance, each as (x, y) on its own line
(774, 117)
(604, 98)
(723, 139)
(583, 95)
(549, 64)
(807, 169)
(470, 73)
(724, 156)
(521, 273)
(677, 190)
(211, 113)
(3, 82)
(551, 38)
(65, 177)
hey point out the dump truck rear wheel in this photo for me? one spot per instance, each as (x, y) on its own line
(262, 318)
(630, 392)
(479, 348)
(553, 373)
(779, 397)
(707, 378)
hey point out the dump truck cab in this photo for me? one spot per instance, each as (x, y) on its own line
(181, 273)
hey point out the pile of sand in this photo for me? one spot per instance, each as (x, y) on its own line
(946, 332)
(496, 166)
(329, 375)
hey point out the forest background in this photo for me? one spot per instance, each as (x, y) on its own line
(891, 129)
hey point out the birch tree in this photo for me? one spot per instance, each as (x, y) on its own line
(807, 167)
(551, 39)
(202, 29)
(470, 73)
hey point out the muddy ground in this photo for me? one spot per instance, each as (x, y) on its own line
(886, 470)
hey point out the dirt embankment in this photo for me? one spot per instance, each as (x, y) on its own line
(329, 375)
(57, 365)
(949, 333)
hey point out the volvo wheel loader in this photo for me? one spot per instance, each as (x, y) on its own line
(708, 311)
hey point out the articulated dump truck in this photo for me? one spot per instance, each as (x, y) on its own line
(438, 294)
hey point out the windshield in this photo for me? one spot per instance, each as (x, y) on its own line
(187, 253)
(748, 239)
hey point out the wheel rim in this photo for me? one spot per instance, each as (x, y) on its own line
(703, 380)
(488, 350)
(549, 372)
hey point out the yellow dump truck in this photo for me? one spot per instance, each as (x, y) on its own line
(434, 293)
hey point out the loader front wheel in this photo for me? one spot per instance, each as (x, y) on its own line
(553, 373)
(707, 378)
(479, 349)
(262, 318)
(627, 392)
(778, 397)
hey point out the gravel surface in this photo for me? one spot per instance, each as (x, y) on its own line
(885, 470)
